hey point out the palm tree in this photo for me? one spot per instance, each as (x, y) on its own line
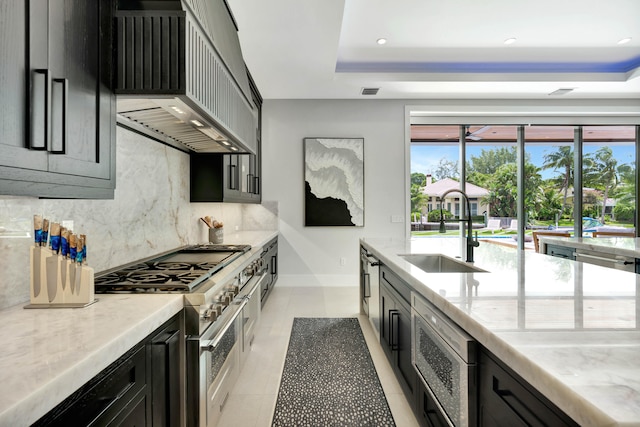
(602, 172)
(563, 160)
(418, 198)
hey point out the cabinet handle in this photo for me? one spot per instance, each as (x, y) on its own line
(513, 402)
(256, 185)
(233, 184)
(274, 264)
(393, 330)
(39, 111)
(59, 98)
(366, 285)
(250, 183)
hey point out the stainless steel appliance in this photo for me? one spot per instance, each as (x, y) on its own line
(370, 288)
(445, 358)
(270, 261)
(219, 315)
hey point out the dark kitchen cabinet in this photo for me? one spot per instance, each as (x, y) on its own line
(115, 393)
(428, 412)
(58, 116)
(560, 251)
(506, 400)
(143, 387)
(166, 353)
(215, 178)
(395, 330)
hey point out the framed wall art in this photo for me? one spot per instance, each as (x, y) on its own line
(334, 182)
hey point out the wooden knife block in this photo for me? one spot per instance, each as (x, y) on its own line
(58, 282)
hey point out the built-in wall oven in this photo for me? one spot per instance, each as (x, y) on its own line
(445, 358)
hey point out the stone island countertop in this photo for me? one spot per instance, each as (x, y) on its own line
(570, 329)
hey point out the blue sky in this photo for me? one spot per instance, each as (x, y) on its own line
(425, 158)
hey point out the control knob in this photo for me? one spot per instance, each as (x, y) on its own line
(213, 312)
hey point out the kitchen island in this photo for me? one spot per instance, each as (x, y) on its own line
(623, 246)
(49, 353)
(569, 329)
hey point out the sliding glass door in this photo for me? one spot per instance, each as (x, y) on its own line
(568, 173)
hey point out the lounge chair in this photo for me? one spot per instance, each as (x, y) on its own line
(513, 226)
(537, 234)
(493, 225)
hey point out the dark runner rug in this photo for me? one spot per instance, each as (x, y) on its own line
(329, 378)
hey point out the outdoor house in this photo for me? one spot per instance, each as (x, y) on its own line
(452, 201)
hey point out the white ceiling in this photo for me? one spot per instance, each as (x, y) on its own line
(313, 49)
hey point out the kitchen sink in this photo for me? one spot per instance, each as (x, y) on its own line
(438, 263)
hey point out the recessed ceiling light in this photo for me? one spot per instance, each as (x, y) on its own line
(511, 40)
(624, 40)
(381, 41)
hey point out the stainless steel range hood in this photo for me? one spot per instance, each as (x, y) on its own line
(174, 81)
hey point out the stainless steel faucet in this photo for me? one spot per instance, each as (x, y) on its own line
(471, 243)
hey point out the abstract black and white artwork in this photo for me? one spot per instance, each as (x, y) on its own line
(334, 181)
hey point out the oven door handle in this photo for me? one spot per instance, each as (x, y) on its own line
(210, 345)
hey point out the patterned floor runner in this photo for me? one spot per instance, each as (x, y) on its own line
(329, 378)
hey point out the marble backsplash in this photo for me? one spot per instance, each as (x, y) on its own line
(149, 214)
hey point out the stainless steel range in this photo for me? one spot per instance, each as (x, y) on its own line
(219, 313)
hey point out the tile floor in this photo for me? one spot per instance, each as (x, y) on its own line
(253, 398)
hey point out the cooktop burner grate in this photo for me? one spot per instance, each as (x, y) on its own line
(180, 271)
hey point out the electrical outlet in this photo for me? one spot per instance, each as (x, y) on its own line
(396, 218)
(343, 261)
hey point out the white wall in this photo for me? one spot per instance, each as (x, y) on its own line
(311, 255)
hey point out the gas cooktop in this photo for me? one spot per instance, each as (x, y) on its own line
(178, 272)
(216, 247)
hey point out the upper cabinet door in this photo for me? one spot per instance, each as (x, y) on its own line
(13, 90)
(79, 89)
(58, 124)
